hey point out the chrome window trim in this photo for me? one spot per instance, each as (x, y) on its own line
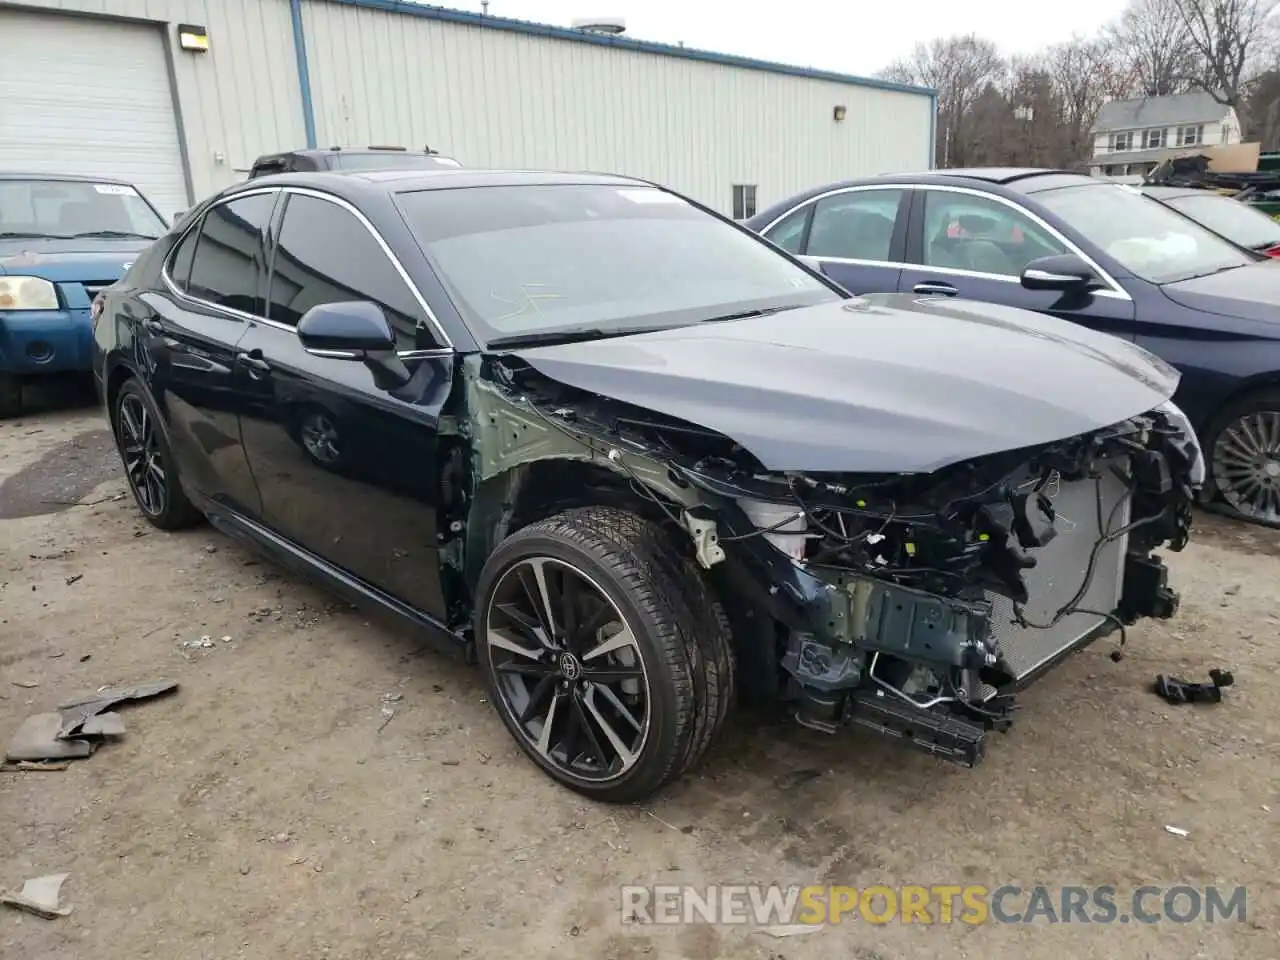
(447, 349)
(1113, 292)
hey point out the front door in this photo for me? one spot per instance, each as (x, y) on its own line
(962, 243)
(187, 345)
(855, 236)
(348, 471)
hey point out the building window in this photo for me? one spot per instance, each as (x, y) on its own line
(1121, 141)
(1190, 136)
(1154, 139)
(744, 200)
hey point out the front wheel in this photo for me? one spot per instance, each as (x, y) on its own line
(606, 656)
(1243, 449)
(148, 461)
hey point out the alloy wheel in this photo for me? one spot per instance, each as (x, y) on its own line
(143, 459)
(1246, 465)
(568, 668)
(320, 437)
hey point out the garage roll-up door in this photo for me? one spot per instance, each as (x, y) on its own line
(89, 96)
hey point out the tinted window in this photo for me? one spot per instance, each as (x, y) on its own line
(1143, 235)
(965, 232)
(227, 265)
(788, 233)
(180, 263)
(326, 255)
(855, 226)
(1234, 220)
(542, 258)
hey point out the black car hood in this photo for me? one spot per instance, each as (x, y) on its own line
(883, 383)
(1249, 293)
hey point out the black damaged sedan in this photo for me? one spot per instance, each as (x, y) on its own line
(637, 462)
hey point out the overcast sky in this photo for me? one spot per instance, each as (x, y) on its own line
(842, 35)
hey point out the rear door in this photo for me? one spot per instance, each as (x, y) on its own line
(348, 471)
(965, 243)
(856, 236)
(215, 278)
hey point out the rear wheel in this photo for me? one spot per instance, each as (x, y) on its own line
(10, 395)
(607, 658)
(148, 462)
(1244, 452)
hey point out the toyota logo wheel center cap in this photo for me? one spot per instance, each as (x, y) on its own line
(570, 668)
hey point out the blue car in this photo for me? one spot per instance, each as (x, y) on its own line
(62, 241)
(1087, 250)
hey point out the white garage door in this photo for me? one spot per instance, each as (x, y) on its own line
(92, 97)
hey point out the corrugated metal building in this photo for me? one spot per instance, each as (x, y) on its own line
(107, 87)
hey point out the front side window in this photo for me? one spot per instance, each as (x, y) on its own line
(324, 254)
(226, 267)
(1143, 235)
(552, 258)
(855, 226)
(63, 209)
(978, 234)
(788, 233)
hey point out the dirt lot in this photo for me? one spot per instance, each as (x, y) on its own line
(262, 812)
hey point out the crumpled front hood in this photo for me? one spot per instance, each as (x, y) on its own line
(883, 383)
(62, 261)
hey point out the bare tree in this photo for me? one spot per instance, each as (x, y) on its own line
(1085, 74)
(1227, 36)
(1153, 40)
(960, 69)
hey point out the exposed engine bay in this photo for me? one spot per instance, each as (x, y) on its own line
(913, 604)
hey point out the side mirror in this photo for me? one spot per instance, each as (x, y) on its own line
(1065, 272)
(356, 330)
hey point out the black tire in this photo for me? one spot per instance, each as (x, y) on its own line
(1265, 402)
(10, 395)
(681, 633)
(173, 511)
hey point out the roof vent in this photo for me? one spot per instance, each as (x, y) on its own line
(609, 26)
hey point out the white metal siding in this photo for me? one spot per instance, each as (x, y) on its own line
(85, 97)
(237, 101)
(497, 98)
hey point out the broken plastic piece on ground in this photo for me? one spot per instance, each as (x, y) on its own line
(41, 896)
(42, 766)
(1176, 690)
(79, 709)
(37, 739)
(103, 725)
(1177, 831)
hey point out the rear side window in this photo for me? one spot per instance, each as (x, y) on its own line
(180, 262)
(227, 265)
(324, 254)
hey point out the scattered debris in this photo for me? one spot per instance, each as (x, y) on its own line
(80, 723)
(226, 638)
(103, 725)
(25, 684)
(74, 577)
(1175, 690)
(50, 767)
(86, 658)
(388, 714)
(1232, 590)
(392, 697)
(55, 656)
(204, 643)
(37, 739)
(790, 929)
(210, 548)
(1177, 831)
(41, 896)
(669, 826)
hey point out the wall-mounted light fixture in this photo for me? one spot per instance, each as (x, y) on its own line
(193, 38)
(837, 112)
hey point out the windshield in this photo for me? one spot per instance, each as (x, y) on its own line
(392, 161)
(1143, 235)
(1232, 219)
(71, 208)
(522, 260)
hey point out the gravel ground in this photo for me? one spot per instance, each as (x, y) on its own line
(265, 810)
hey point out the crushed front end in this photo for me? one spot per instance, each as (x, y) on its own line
(913, 604)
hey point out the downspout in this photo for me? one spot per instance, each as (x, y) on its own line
(304, 74)
(933, 131)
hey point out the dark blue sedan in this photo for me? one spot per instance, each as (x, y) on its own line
(1088, 250)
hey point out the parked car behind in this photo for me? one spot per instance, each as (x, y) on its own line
(62, 241)
(1086, 250)
(349, 158)
(1241, 223)
(628, 456)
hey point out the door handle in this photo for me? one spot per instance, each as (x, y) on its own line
(253, 360)
(943, 289)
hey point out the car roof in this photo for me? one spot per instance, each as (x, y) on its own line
(1171, 193)
(408, 180)
(64, 177)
